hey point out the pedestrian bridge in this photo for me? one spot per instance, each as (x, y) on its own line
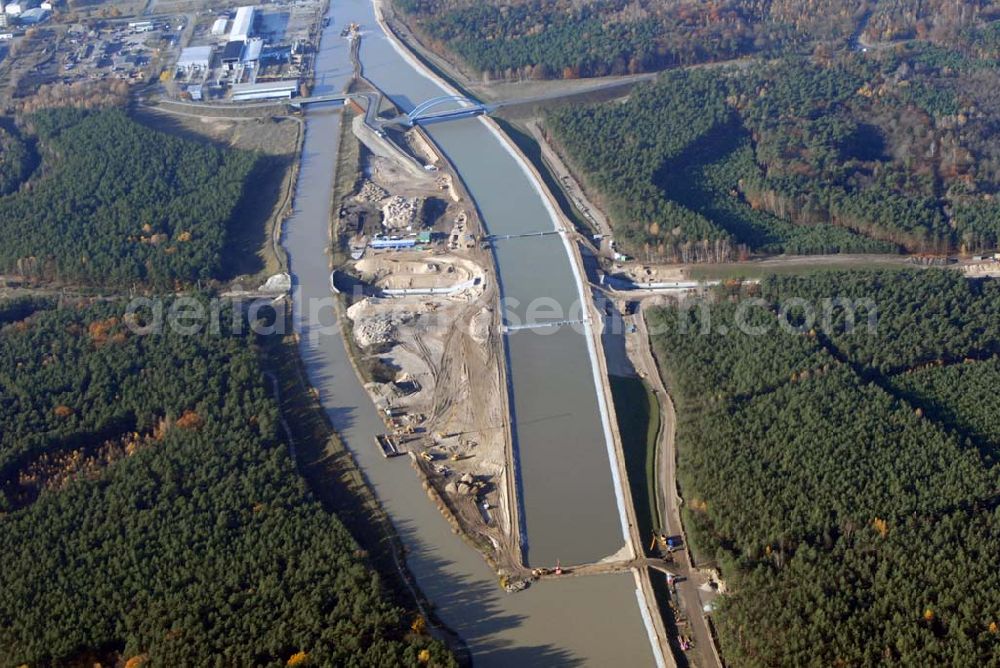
(317, 99)
(520, 235)
(545, 324)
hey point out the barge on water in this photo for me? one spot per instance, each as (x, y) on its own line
(387, 446)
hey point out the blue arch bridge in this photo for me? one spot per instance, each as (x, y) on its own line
(456, 106)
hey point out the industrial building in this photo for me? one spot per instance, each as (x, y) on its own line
(34, 16)
(19, 7)
(195, 59)
(251, 52)
(242, 25)
(232, 54)
(244, 55)
(276, 54)
(388, 243)
(219, 27)
(272, 90)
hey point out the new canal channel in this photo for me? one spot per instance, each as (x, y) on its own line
(571, 512)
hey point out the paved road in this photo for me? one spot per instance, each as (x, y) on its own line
(583, 89)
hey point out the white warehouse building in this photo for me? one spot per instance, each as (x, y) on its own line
(272, 90)
(19, 7)
(195, 59)
(242, 24)
(219, 27)
(34, 16)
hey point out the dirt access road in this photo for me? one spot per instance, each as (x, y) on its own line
(668, 501)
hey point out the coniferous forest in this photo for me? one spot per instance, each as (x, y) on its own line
(880, 152)
(542, 39)
(114, 202)
(844, 479)
(151, 512)
(150, 507)
(838, 446)
(17, 159)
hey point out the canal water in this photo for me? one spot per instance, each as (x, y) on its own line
(569, 500)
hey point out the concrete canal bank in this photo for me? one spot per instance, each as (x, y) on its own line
(570, 505)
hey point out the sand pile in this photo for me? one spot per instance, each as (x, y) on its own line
(479, 325)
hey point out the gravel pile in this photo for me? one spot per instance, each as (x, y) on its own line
(377, 329)
(371, 192)
(400, 212)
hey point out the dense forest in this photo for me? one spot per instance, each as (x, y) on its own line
(151, 508)
(963, 396)
(17, 159)
(117, 203)
(883, 151)
(554, 38)
(844, 479)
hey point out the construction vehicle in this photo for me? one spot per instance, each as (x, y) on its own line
(666, 543)
(512, 586)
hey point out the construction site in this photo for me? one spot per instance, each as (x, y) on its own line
(418, 287)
